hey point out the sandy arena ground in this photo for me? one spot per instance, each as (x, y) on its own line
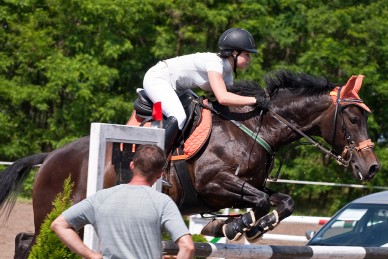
(20, 220)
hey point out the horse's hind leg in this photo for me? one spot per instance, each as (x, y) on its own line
(23, 242)
(284, 206)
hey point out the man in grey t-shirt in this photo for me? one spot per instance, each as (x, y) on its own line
(128, 218)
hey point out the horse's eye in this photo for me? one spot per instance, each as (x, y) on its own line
(353, 120)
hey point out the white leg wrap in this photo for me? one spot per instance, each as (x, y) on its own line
(276, 216)
(253, 218)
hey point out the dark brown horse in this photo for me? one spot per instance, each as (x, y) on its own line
(232, 167)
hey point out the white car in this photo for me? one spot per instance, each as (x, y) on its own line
(362, 222)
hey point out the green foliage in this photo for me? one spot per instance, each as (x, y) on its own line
(199, 238)
(48, 245)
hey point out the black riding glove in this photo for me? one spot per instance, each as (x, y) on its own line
(262, 102)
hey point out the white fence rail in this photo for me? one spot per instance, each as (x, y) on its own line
(298, 182)
(5, 163)
(328, 184)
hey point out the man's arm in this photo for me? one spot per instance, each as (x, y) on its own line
(186, 247)
(71, 239)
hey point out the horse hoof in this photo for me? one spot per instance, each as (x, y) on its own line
(231, 233)
(22, 243)
(254, 234)
(213, 228)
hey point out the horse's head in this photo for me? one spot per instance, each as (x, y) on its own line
(340, 118)
(347, 131)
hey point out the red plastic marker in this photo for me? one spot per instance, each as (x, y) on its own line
(157, 114)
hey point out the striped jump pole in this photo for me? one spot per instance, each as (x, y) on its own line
(278, 252)
(306, 220)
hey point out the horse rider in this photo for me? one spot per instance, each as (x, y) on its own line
(211, 72)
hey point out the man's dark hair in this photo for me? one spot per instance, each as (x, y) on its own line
(149, 160)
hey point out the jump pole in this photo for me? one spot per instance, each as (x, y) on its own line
(271, 252)
(100, 133)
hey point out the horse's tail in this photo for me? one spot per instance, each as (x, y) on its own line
(11, 180)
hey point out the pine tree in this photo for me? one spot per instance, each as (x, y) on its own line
(47, 243)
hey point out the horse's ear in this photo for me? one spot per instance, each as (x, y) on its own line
(358, 83)
(350, 91)
(347, 89)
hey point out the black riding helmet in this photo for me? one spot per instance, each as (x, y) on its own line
(236, 39)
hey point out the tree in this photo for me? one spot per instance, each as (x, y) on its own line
(48, 245)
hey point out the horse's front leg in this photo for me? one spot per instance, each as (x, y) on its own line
(284, 206)
(260, 203)
(230, 191)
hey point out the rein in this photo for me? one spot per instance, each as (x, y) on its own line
(244, 128)
(340, 160)
(351, 147)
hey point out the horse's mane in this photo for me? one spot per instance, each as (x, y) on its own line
(298, 83)
(246, 88)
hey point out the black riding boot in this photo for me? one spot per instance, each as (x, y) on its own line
(171, 131)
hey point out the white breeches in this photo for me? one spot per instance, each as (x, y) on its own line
(158, 88)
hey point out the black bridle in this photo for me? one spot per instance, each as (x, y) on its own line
(351, 147)
(341, 108)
